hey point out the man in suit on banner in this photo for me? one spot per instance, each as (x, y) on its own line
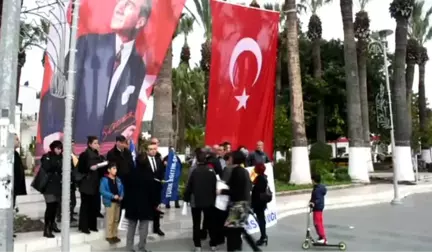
(110, 73)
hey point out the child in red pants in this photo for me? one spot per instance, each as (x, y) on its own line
(317, 205)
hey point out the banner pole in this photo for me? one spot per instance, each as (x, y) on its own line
(9, 40)
(67, 152)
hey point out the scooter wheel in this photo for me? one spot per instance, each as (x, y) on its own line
(306, 245)
(342, 246)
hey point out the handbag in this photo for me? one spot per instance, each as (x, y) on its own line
(40, 181)
(267, 196)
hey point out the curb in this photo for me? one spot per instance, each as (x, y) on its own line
(380, 198)
(329, 188)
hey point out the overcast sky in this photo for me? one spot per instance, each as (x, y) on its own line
(332, 28)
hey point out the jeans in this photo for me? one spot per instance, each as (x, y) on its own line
(142, 231)
(260, 215)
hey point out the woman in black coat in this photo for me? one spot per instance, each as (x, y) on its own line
(89, 186)
(51, 163)
(258, 204)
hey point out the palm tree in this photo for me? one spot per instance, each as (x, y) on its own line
(186, 26)
(362, 32)
(254, 4)
(204, 15)
(421, 33)
(357, 155)
(30, 35)
(314, 33)
(300, 169)
(401, 11)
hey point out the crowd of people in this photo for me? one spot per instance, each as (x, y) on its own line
(120, 182)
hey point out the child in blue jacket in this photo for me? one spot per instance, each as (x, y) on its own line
(112, 193)
(317, 205)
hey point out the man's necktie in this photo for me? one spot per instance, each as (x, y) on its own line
(117, 59)
(154, 164)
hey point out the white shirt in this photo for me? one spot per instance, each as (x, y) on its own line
(125, 53)
(153, 163)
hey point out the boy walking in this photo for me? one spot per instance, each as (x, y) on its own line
(317, 205)
(112, 193)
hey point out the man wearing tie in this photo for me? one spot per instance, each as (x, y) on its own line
(109, 76)
(157, 168)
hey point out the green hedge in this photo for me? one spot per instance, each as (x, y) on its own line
(327, 169)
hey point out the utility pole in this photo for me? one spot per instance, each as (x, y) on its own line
(9, 39)
(67, 152)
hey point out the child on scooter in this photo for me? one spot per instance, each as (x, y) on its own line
(317, 205)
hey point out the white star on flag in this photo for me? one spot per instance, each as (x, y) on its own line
(242, 99)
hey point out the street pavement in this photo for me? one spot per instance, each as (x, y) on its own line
(381, 227)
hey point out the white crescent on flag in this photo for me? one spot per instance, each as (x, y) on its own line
(244, 45)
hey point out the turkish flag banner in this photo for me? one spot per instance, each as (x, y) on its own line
(242, 76)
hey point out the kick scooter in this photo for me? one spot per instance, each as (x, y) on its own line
(310, 241)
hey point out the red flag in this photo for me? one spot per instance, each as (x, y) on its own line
(113, 99)
(242, 78)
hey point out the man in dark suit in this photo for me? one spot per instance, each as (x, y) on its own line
(156, 168)
(110, 73)
(122, 157)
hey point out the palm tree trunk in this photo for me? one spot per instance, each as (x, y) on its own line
(362, 71)
(422, 108)
(316, 59)
(402, 151)
(357, 155)
(409, 78)
(162, 115)
(300, 167)
(177, 122)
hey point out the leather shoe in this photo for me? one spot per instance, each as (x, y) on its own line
(159, 232)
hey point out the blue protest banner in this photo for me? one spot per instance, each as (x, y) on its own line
(172, 178)
(132, 149)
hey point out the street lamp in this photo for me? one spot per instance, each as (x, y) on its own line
(380, 46)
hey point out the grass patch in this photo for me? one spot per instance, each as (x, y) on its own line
(283, 187)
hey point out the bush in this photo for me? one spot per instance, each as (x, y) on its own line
(282, 171)
(323, 168)
(320, 151)
(341, 174)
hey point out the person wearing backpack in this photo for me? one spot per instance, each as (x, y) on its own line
(261, 195)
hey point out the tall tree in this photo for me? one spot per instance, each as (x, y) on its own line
(186, 26)
(361, 33)
(421, 32)
(254, 4)
(300, 167)
(401, 11)
(357, 154)
(204, 15)
(314, 33)
(30, 35)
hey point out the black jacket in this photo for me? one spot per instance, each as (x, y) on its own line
(52, 165)
(259, 187)
(159, 174)
(124, 162)
(257, 157)
(141, 199)
(19, 176)
(202, 187)
(214, 162)
(317, 197)
(239, 184)
(90, 181)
